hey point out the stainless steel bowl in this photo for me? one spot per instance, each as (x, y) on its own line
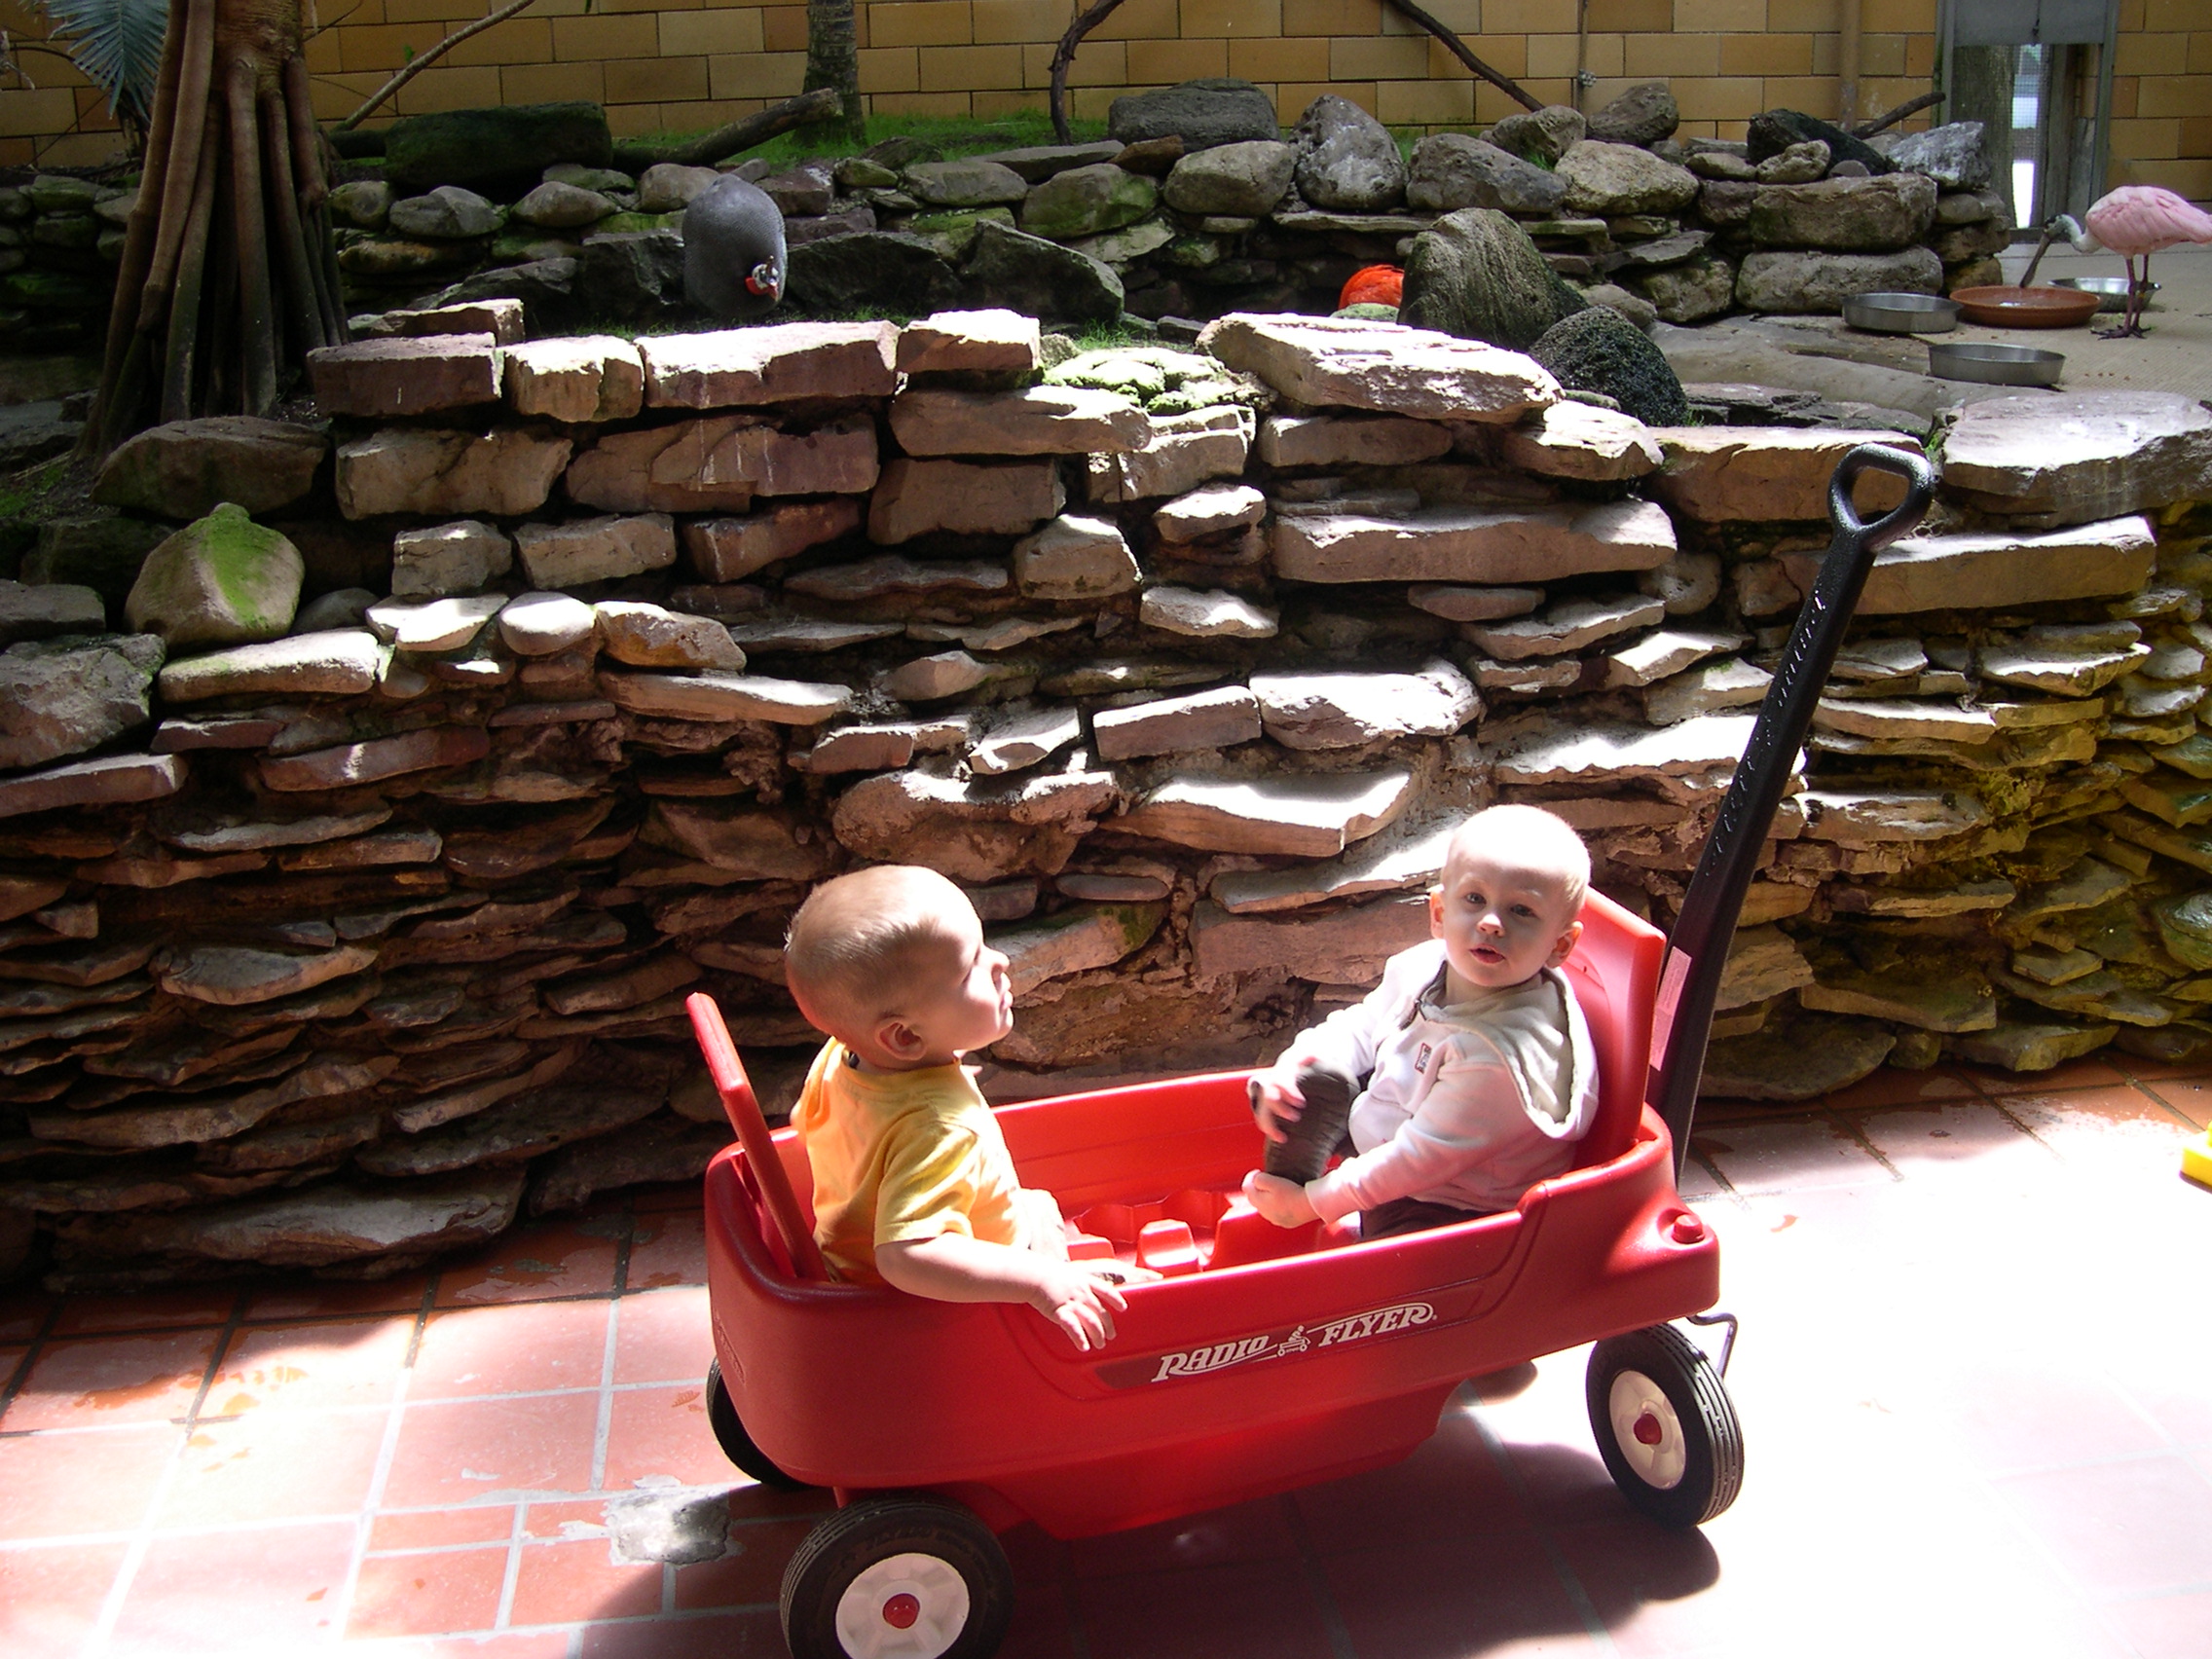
(1902, 313)
(2111, 291)
(1994, 363)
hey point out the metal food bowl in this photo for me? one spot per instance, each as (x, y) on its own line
(1902, 313)
(1997, 364)
(2111, 291)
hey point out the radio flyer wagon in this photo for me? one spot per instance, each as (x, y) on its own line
(1265, 1358)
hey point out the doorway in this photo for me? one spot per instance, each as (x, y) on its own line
(2038, 75)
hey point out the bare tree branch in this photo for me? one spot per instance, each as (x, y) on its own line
(1911, 106)
(823, 103)
(423, 60)
(1063, 55)
(1457, 47)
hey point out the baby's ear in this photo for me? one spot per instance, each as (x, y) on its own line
(1565, 948)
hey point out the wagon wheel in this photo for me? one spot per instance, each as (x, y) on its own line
(898, 1578)
(1665, 1425)
(737, 1445)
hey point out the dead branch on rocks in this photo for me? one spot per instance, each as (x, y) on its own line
(822, 104)
(421, 60)
(1063, 55)
(1911, 106)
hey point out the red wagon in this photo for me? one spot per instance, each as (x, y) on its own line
(1264, 1359)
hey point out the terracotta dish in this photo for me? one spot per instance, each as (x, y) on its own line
(2008, 306)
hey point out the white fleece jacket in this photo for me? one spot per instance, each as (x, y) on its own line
(1470, 1105)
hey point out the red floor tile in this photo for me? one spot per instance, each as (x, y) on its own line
(325, 1365)
(2191, 1097)
(470, 1451)
(750, 1575)
(2140, 1525)
(24, 1314)
(562, 1584)
(308, 1299)
(1790, 1154)
(534, 1263)
(663, 1335)
(2164, 1627)
(1496, 1595)
(2092, 1072)
(749, 1635)
(50, 1595)
(1242, 1611)
(275, 1465)
(429, 1595)
(1888, 1085)
(93, 1382)
(1451, 1487)
(2011, 1413)
(440, 1529)
(148, 1309)
(1946, 1135)
(194, 1594)
(1258, 1530)
(1644, 1583)
(562, 1519)
(663, 1431)
(517, 1644)
(669, 1249)
(518, 1347)
(66, 1482)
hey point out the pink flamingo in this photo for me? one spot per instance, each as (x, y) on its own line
(2140, 220)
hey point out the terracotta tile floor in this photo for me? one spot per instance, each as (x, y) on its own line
(1975, 1379)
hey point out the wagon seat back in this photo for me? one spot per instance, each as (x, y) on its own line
(1615, 974)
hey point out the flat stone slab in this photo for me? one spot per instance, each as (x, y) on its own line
(1174, 725)
(975, 829)
(1801, 1059)
(400, 375)
(914, 497)
(1863, 817)
(1210, 613)
(114, 779)
(1466, 544)
(926, 678)
(184, 469)
(808, 634)
(1305, 817)
(1335, 710)
(2054, 667)
(721, 462)
(988, 342)
(591, 377)
(231, 974)
(1208, 510)
(1455, 603)
(1184, 451)
(721, 698)
(1349, 947)
(1343, 362)
(375, 759)
(737, 367)
(539, 624)
(730, 549)
(595, 550)
(1725, 474)
(1993, 894)
(434, 473)
(1037, 420)
(1395, 859)
(1074, 941)
(1553, 751)
(1567, 625)
(1012, 742)
(341, 662)
(1665, 653)
(436, 624)
(650, 636)
(1351, 440)
(890, 573)
(1580, 441)
(2030, 1045)
(1075, 556)
(1983, 570)
(1895, 718)
(2069, 457)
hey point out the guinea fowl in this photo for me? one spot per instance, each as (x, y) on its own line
(733, 250)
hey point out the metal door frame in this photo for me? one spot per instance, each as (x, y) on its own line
(2100, 143)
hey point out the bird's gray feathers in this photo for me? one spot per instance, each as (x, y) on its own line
(730, 229)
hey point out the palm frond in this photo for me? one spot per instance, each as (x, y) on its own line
(116, 43)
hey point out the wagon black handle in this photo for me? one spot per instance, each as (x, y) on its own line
(1697, 949)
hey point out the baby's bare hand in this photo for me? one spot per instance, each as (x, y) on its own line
(1077, 1298)
(1276, 1103)
(1283, 1202)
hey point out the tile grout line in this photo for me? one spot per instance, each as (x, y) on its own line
(142, 1538)
(21, 1376)
(1578, 1593)
(387, 1449)
(1317, 1580)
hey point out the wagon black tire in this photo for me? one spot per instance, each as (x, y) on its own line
(1665, 1425)
(737, 1445)
(898, 1578)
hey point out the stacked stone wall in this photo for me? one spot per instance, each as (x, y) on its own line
(340, 934)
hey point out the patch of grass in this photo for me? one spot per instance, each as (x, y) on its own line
(952, 135)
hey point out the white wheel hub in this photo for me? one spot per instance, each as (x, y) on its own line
(1648, 1430)
(904, 1606)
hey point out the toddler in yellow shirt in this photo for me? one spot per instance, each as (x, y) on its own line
(913, 1185)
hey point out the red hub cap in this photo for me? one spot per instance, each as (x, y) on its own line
(1648, 1430)
(901, 1611)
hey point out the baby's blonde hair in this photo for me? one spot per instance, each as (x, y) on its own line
(851, 948)
(1542, 840)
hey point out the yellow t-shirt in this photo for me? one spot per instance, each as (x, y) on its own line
(900, 1156)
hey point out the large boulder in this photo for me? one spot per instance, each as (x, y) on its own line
(1201, 113)
(733, 248)
(1773, 132)
(506, 146)
(1241, 181)
(62, 697)
(879, 270)
(1615, 180)
(184, 468)
(1023, 273)
(1347, 161)
(1850, 215)
(638, 277)
(1691, 291)
(1600, 350)
(1475, 273)
(222, 580)
(1954, 155)
(1778, 280)
(1083, 202)
(1451, 170)
(1643, 114)
(1541, 136)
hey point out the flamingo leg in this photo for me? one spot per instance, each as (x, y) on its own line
(2128, 316)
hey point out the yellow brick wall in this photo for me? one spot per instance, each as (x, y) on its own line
(687, 64)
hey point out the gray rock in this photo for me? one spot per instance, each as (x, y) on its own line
(62, 697)
(1075, 558)
(1772, 281)
(365, 204)
(666, 186)
(342, 607)
(1849, 215)
(1085, 201)
(1478, 275)
(1643, 114)
(562, 206)
(1541, 135)
(222, 580)
(676, 1529)
(1038, 163)
(1600, 350)
(1968, 206)
(1306, 816)
(1244, 179)
(41, 609)
(1773, 131)
(596, 549)
(1202, 113)
(448, 214)
(641, 275)
(2072, 457)
(181, 470)
(873, 270)
(1690, 292)
(1334, 710)
(965, 184)
(343, 663)
(1799, 1058)
(1031, 274)
(1451, 170)
(1954, 155)
(1800, 164)
(1347, 161)
(1610, 180)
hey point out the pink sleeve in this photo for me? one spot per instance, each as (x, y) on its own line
(1455, 1126)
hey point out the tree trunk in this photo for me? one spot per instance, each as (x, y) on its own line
(227, 278)
(833, 58)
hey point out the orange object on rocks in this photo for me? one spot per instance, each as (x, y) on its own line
(1374, 285)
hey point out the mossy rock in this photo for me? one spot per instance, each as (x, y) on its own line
(1601, 350)
(222, 581)
(503, 146)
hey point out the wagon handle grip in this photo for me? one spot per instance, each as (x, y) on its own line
(1697, 949)
(743, 1113)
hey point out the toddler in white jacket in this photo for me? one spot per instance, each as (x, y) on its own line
(1480, 1074)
